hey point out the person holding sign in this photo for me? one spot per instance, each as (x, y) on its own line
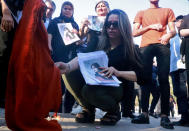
(124, 62)
(87, 36)
(57, 45)
(86, 32)
(60, 51)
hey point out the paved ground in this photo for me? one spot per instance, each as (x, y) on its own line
(68, 124)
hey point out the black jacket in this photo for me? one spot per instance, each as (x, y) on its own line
(15, 5)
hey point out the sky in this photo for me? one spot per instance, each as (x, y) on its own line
(83, 8)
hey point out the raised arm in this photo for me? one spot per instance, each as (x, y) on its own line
(84, 27)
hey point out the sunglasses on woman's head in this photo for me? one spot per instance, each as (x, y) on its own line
(114, 24)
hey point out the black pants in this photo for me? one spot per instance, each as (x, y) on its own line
(6, 40)
(187, 63)
(127, 103)
(179, 78)
(162, 53)
(154, 90)
(172, 111)
(88, 96)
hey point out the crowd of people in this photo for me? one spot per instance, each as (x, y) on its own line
(33, 58)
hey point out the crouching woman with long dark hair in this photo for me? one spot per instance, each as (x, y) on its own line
(124, 62)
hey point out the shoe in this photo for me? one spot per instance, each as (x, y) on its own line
(141, 119)
(85, 116)
(76, 109)
(99, 113)
(131, 115)
(181, 122)
(166, 123)
(153, 115)
(110, 118)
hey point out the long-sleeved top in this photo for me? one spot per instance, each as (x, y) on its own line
(118, 60)
(61, 52)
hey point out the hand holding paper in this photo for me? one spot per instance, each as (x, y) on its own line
(67, 33)
(91, 65)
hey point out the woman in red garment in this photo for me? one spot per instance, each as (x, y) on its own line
(33, 83)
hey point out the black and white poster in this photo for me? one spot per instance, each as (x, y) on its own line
(90, 66)
(96, 22)
(66, 33)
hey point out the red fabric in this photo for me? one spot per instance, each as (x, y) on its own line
(33, 85)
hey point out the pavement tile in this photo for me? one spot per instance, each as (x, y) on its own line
(68, 124)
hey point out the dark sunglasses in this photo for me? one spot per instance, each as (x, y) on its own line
(114, 24)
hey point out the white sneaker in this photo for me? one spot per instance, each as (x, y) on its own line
(99, 113)
(76, 109)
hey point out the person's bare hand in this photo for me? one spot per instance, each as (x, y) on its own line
(165, 39)
(62, 66)
(85, 23)
(75, 31)
(7, 22)
(157, 27)
(80, 42)
(109, 71)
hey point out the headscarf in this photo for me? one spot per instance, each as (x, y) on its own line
(102, 1)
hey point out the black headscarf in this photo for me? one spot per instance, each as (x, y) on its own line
(66, 19)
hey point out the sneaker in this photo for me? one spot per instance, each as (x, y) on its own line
(99, 113)
(181, 122)
(76, 109)
(141, 119)
(166, 123)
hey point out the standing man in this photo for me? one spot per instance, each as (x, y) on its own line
(49, 12)
(184, 32)
(9, 10)
(179, 77)
(155, 43)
